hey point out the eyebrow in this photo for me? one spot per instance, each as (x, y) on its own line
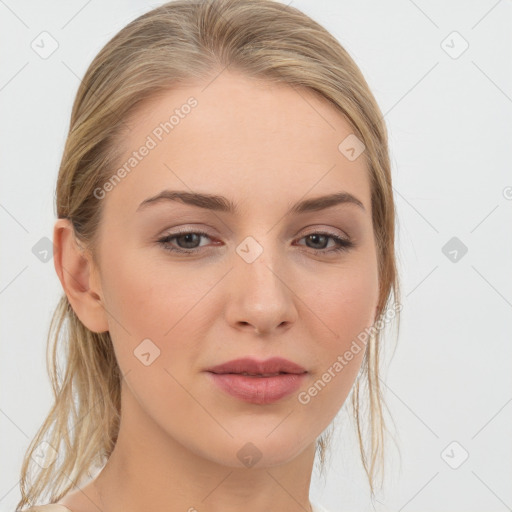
(223, 204)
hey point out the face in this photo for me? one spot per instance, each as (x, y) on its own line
(190, 284)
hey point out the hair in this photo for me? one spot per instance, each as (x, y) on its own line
(186, 42)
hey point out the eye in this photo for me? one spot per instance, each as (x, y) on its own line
(187, 238)
(341, 244)
(189, 242)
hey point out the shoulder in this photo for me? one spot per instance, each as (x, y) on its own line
(318, 508)
(52, 507)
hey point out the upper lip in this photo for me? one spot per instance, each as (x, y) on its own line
(274, 365)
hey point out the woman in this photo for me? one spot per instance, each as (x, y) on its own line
(225, 244)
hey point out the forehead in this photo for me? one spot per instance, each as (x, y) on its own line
(250, 140)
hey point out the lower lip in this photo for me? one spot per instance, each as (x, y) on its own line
(258, 390)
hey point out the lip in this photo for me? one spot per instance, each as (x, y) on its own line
(250, 365)
(263, 389)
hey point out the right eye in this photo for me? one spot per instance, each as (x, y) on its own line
(186, 237)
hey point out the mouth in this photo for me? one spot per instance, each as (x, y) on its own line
(252, 367)
(257, 382)
(254, 374)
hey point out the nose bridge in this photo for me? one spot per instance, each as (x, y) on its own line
(260, 292)
(258, 264)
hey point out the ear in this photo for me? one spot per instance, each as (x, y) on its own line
(78, 277)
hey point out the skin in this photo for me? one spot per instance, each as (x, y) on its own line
(265, 147)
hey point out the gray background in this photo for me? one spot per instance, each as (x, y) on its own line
(448, 112)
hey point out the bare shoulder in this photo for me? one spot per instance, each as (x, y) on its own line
(79, 500)
(51, 507)
(316, 507)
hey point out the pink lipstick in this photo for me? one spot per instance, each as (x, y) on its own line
(258, 382)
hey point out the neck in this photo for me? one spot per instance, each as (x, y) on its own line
(150, 470)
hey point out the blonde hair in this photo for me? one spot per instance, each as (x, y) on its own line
(180, 42)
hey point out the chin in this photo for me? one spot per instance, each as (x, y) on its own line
(260, 450)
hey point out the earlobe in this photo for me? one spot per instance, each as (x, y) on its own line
(76, 272)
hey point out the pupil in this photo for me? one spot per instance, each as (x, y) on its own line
(316, 236)
(187, 237)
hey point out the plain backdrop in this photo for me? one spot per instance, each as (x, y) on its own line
(441, 73)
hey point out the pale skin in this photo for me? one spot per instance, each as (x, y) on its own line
(264, 147)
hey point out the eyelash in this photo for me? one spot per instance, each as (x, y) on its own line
(343, 244)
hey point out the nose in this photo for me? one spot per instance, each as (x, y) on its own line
(261, 297)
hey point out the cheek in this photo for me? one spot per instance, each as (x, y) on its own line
(158, 301)
(343, 308)
(151, 320)
(343, 303)
(149, 294)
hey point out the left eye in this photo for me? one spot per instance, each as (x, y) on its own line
(187, 236)
(193, 237)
